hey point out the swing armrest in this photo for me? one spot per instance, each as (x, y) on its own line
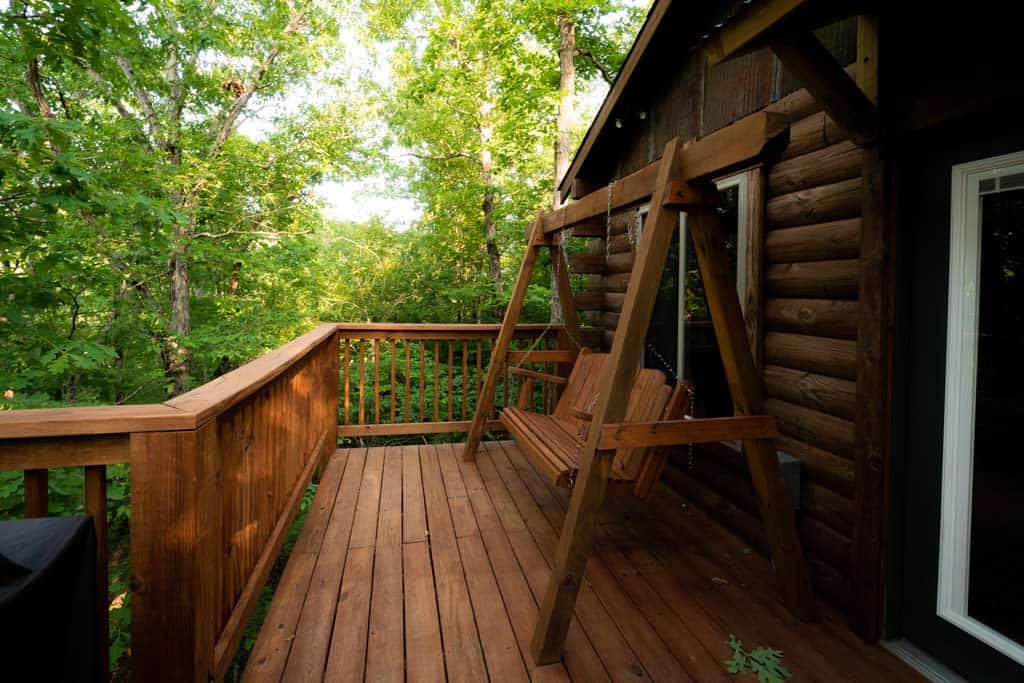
(581, 414)
(542, 376)
(677, 432)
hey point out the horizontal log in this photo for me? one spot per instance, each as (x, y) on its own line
(619, 244)
(838, 279)
(831, 164)
(616, 282)
(676, 432)
(609, 319)
(796, 106)
(592, 337)
(67, 451)
(587, 263)
(830, 583)
(830, 395)
(824, 504)
(821, 355)
(613, 301)
(827, 432)
(47, 422)
(826, 543)
(810, 134)
(818, 317)
(828, 469)
(832, 202)
(620, 263)
(589, 301)
(732, 146)
(409, 428)
(819, 242)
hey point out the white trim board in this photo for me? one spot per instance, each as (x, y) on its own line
(960, 392)
(922, 662)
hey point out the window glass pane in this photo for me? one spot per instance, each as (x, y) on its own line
(702, 364)
(995, 589)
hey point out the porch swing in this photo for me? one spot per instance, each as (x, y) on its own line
(612, 423)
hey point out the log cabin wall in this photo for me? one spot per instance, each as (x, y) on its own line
(809, 264)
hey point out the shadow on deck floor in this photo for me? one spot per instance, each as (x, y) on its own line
(413, 564)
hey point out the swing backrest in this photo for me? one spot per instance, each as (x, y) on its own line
(650, 399)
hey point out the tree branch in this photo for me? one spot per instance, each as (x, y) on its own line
(225, 123)
(145, 104)
(34, 85)
(605, 74)
(257, 233)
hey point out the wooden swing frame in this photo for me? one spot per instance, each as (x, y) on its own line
(681, 180)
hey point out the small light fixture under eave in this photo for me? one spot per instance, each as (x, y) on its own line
(618, 123)
(643, 116)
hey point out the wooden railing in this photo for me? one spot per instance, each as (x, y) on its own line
(424, 379)
(217, 476)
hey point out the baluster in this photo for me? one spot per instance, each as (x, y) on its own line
(376, 381)
(423, 381)
(408, 379)
(96, 507)
(437, 381)
(465, 377)
(347, 377)
(504, 397)
(37, 493)
(479, 365)
(451, 377)
(393, 394)
(362, 382)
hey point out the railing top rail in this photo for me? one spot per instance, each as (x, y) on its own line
(436, 330)
(187, 411)
(92, 420)
(221, 394)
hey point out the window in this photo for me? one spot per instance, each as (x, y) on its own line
(680, 338)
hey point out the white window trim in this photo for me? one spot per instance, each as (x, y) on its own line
(961, 376)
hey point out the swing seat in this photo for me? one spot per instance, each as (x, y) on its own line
(553, 442)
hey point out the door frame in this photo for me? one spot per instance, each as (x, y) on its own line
(960, 392)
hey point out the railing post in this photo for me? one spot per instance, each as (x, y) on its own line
(174, 539)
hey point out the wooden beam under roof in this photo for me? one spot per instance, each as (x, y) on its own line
(746, 31)
(843, 99)
(731, 147)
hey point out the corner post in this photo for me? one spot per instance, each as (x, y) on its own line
(175, 571)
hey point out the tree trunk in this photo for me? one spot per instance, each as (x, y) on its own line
(564, 123)
(176, 364)
(486, 177)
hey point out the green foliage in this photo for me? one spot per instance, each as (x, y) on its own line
(764, 662)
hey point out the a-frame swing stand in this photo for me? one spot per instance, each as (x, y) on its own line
(680, 181)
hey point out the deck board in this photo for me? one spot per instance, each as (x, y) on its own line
(414, 565)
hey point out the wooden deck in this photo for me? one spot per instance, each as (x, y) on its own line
(414, 565)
